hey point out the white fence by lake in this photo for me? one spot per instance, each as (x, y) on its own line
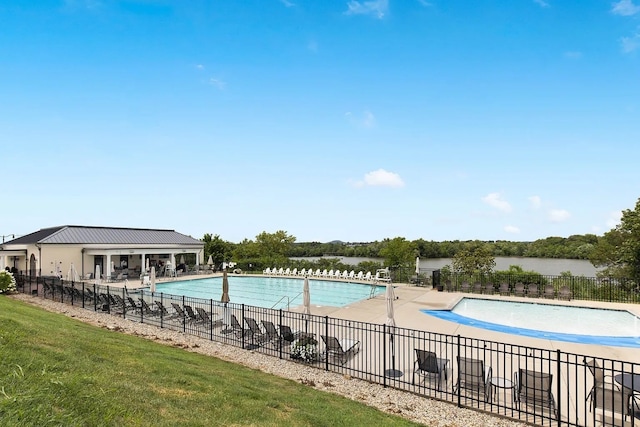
(545, 266)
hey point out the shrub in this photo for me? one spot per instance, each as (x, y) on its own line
(7, 282)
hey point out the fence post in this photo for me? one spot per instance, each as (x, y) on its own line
(280, 337)
(95, 298)
(242, 326)
(384, 356)
(457, 358)
(558, 370)
(326, 334)
(184, 317)
(210, 318)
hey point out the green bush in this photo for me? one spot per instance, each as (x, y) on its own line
(7, 282)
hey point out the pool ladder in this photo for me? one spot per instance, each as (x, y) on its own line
(288, 301)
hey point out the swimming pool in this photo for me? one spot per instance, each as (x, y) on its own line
(272, 292)
(548, 321)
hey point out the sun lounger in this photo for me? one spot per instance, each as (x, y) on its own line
(256, 334)
(207, 320)
(340, 350)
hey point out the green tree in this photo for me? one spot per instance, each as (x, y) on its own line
(399, 255)
(619, 249)
(220, 250)
(274, 248)
(474, 258)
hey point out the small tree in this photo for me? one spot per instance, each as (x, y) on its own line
(619, 249)
(474, 259)
(399, 255)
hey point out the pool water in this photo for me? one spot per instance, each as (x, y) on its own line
(273, 292)
(548, 321)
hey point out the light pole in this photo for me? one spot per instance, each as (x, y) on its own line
(13, 236)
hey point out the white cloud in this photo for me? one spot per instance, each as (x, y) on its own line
(614, 219)
(512, 229)
(495, 200)
(381, 178)
(366, 120)
(541, 3)
(199, 67)
(559, 215)
(377, 8)
(535, 201)
(425, 3)
(217, 83)
(625, 8)
(287, 3)
(312, 46)
(629, 44)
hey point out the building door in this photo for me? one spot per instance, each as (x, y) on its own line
(32, 265)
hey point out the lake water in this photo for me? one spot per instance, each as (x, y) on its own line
(545, 266)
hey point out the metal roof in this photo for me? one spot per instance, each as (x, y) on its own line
(74, 234)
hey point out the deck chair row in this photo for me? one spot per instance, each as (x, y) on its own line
(519, 289)
(325, 274)
(339, 350)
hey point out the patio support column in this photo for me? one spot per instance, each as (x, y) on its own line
(143, 262)
(107, 268)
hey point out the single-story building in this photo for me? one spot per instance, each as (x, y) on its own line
(73, 252)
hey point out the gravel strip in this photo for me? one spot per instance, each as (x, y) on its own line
(423, 410)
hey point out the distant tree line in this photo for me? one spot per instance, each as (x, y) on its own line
(573, 247)
(617, 251)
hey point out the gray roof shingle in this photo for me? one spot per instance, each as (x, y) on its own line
(73, 234)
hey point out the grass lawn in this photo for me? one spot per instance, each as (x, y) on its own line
(61, 372)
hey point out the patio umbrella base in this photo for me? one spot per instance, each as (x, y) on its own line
(393, 373)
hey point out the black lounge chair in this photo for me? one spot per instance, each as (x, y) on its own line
(272, 334)
(146, 309)
(257, 336)
(340, 350)
(519, 290)
(533, 291)
(533, 388)
(429, 365)
(565, 293)
(504, 289)
(180, 314)
(192, 317)
(473, 377)
(549, 292)
(206, 320)
(164, 313)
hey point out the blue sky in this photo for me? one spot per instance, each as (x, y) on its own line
(336, 119)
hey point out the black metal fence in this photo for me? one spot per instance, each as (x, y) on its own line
(580, 287)
(539, 386)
